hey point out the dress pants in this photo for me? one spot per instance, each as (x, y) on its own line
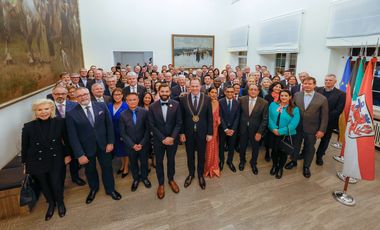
(51, 185)
(139, 171)
(324, 144)
(105, 161)
(160, 150)
(230, 141)
(308, 147)
(196, 142)
(244, 140)
(74, 170)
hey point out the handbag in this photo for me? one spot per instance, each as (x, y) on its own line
(286, 144)
(28, 195)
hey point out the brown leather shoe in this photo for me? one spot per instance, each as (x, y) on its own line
(160, 192)
(174, 186)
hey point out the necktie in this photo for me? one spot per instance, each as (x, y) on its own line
(250, 106)
(229, 105)
(60, 109)
(182, 89)
(134, 117)
(89, 115)
(195, 103)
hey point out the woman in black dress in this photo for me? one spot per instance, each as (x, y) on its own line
(44, 153)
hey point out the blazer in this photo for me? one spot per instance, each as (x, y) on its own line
(176, 92)
(140, 91)
(229, 119)
(316, 116)
(286, 120)
(296, 89)
(107, 99)
(69, 106)
(258, 121)
(42, 153)
(93, 81)
(173, 124)
(205, 123)
(132, 134)
(84, 138)
(336, 101)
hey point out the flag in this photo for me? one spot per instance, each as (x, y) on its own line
(359, 154)
(343, 86)
(357, 70)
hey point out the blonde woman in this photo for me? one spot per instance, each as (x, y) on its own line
(44, 153)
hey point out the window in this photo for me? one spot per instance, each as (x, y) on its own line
(242, 59)
(286, 61)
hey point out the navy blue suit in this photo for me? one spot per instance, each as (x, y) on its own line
(229, 119)
(132, 134)
(162, 129)
(92, 141)
(176, 92)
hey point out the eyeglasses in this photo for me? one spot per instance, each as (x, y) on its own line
(83, 95)
(59, 94)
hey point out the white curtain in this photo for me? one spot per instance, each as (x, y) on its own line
(280, 34)
(239, 39)
(353, 18)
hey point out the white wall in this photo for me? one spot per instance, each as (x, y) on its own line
(147, 25)
(12, 119)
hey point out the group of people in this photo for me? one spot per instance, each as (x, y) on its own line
(145, 114)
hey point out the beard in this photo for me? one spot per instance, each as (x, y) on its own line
(164, 97)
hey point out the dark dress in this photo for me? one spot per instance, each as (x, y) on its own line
(119, 147)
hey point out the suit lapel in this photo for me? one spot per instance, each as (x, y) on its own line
(245, 104)
(256, 107)
(82, 113)
(301, 102)
(312, 100)
(159, 111)
(190, 102)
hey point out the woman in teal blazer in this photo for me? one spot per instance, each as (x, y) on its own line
(284, 117)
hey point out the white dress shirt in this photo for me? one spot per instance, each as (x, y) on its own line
(164, 109)
(307, 98)
(91, 110)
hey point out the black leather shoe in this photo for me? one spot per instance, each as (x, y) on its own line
(279, 173)
(188, 181)
(135, 184)
(115, 195)
(267, 157)
(61, 210)
(91, 196)
(124, 174)
(50, 212)
(254, 169)
(147, 183)
(241, 166)
(306, 172)
(273, 170)
(319, 161)
(202, 182)
(79, 181)
(231, 166)
(221, 165)
(291, 165)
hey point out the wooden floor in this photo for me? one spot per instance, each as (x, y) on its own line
(234, 201)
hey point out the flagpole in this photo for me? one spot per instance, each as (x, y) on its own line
(342, 196)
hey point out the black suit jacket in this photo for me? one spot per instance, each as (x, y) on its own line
(173, 124)
(229, 119)
(140, 91)
(85, 139)
(134, 134)
(205, 123)
(44, 152)
(296, 89)
(258, 121)
(107, 99)
(93, 81)
(81, 83)
(176, 92)
(336, 101)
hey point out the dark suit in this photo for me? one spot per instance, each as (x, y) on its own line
(172, 84)
(91, 141)
(140, 91)
(313, 119)
(43, 152)
(251, 125)
(176, 92)
(296, 89)
(82, 84)
(229, 119)
(336, 100)
(132, 134)
(165, 128)
(93, 81)
(196, 132)
(106, 99)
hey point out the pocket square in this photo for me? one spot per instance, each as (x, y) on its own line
(100, 112)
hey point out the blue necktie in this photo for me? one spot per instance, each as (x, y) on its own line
(229, 105)
(134, 118)
(89, 116)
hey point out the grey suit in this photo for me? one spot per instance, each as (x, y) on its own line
(313, 119)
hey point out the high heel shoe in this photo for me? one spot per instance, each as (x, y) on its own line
(50, 212)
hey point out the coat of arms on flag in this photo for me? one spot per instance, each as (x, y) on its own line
(359, 121)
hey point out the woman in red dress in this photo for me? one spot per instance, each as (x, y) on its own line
(212, 147)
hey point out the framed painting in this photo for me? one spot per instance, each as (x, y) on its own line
(192, 51)
(39, 40)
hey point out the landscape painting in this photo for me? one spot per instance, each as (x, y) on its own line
(192, 51)
(38, 41)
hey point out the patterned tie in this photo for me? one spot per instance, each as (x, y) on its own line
(60, 110)
(89, 116)
(134, 117)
